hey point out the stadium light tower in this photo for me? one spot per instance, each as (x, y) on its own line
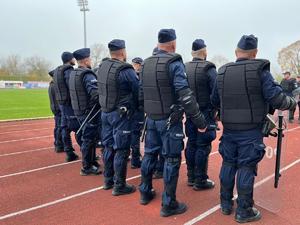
(83, 4)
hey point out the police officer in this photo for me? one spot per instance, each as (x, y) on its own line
(165, 90)
(118, 97)
(159, 165)
(69, 122)
(58, 143)
(289, 84)
(244, 90)
(137, 123)
(99, 143)
(84, 98)
(201, 76)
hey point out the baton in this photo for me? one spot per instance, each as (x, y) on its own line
(144, 129)
(85, 120)
(90, 120)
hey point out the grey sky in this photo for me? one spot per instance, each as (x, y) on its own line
(48, 27)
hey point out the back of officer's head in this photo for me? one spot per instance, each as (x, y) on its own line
(199, 49)
(82, 57)
(117, 50)
(247, 47)
(137, 64)
(167, 40)
(68, 58)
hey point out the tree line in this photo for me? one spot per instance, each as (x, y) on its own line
(36, 68)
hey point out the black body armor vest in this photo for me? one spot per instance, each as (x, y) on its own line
(52, 97)
(240, 90)
(158, 89)
(110, 94)
(198, 80)
(79, 96)
(62, 92)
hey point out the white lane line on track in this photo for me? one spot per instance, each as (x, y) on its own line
(38, 169)
(17, 131)
(52, 166)
(200, 217)
(62, 164)
(33, 150)
(25, 124)
(217, 207)
(24, 139)
(58, 201)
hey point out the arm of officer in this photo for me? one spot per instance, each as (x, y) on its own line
(215, 98)
(212, 76)
(67, 76)
(132, 79)
(90, 84)
(141, 96)
(273, 93)
(186, 97)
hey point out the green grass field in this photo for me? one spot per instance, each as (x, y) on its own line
(24, 103)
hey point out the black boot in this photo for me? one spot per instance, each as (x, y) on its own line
(93, 170)
(58, 149)
(124, 190)
(226, 209)
(254, 215)
(174, 209)
(120, 168)
(191, 178)
(108, 185)
(203, 184)
(71, 156)
(147, 198)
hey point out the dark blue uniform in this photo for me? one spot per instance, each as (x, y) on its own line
(288, 86)
(69, 121)
(241, 152)
(116, 131)
(58, 143)
(199, 144)
(136, 128)
(89, 133)
(169, 142)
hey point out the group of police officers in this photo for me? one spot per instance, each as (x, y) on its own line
(118, 99)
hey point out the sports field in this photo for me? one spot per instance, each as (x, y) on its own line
(24, 103)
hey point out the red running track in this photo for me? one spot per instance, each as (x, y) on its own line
(37, 187)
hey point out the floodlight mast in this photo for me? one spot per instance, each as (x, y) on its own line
(83, 4)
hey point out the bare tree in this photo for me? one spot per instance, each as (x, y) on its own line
(98, 52)
(289, 58)
(11, 65)
(37, 66)
(219, 60)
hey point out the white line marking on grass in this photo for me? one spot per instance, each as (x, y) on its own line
(38, 169)
(217, 207)
(25, 139)
(33, 150)
(17, 131)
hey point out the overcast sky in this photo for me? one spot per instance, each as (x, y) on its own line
(48, 27)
